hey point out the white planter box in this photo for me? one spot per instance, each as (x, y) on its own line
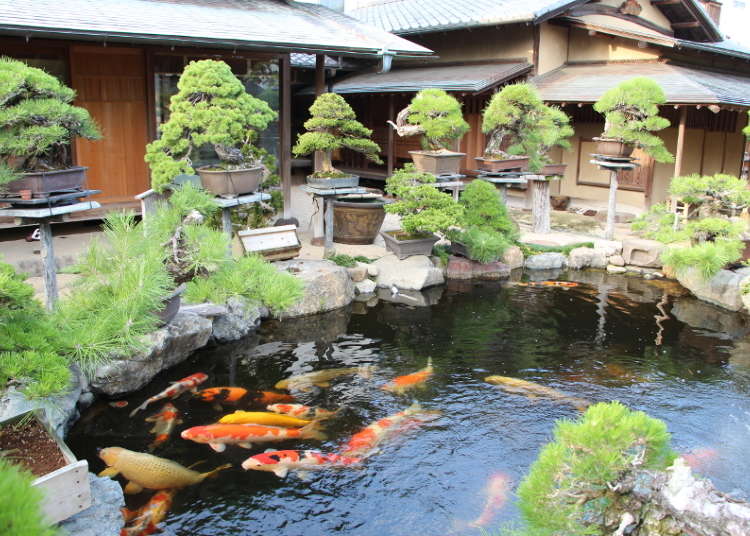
(273, 243)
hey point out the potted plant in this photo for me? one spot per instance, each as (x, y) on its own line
(211, 108)
(424, 211)
(38, 124)
(357, 220)
(331, 127)
(631, 115)
(438, 118)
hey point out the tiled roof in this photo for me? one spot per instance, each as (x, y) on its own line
(471, 78)
(726, 47)
(261, 24)
(682, 84)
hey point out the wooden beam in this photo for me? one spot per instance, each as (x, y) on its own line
(680, 142)
(285, 137)
(686, 25)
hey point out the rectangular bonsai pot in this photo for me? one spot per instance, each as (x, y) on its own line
(43, 183)
(554, 170)
(518, 163)
(66, 490)
(351, 181)
(407, 248)
(437, 163)
(231, 183)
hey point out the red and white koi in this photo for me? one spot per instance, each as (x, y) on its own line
(165, 422)
(144, 521)
(563, 284)
(119, 404)
(496, 494)
(401, 384)
(190, 383)
(218, 436)
(301, 411)
(280, 462)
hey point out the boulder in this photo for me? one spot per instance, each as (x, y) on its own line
(459, 268)
(462, 268)
(546, 261)
(580, 258)
(642, 252)
(414, 298)
(412, 273)
(745, 293)
(617, 260)
(103, 517)
(372, 270)
(612, 269)
(327, 286)
(723, 289)
(241, 317)
(367, 286)
(357, 273)
(165, 348)
(611, 247)
(513, 257)
(704, 316)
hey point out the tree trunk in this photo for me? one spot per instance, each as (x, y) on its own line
(324, 157)
(609, 233)
(540, 206)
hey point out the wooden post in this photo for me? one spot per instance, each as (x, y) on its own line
(540, 207)
(391, 138)
(49, 264)
(285, 141)
(680, 142)
(609, 233)
(226, 226)
(328, 226)
(318, 222)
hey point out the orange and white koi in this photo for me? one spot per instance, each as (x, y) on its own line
(321, 378)
(165, 422)
(401, 384)
(218, 436)
(221, 395)
(563, 284)
(301, 411)
(190, 383)
(263, 417)
(496, 493)
(533, 390)
(363, 443)
(280, 462)
(144, 521)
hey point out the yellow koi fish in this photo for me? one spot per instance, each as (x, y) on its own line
(164, 424)
(262, 417)
(401, 384)
(534, 390)
(301, 411)
(148, 471)
(322, 378)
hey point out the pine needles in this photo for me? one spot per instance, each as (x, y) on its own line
(21, 514)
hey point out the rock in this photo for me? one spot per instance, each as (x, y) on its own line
(723, 289)
(61, 411)
(513, 257)
(208, 310)
(704, 316)
(327, 286)
(459, 268)
(634, 269)
(642, 252)
(612, 269)
(241, 317)
(617, 260)
(462, 268)
(357, 273)
(745, 292)
(85, 400)
(414, 298)
(580, 258)
(103, 517)
(372, 270)
(610, 247)
(546, 261)
(413, 273)
(367, 286)
(166, 347)
(359, 308)
(325, 327)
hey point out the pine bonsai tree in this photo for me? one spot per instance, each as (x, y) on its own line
(631, 113)
(21, 514)
(37, 121)
(438, 118)
(333, 126)
(211, 107)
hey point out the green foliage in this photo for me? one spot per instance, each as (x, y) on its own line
(658, 223)
(484, 209)
(251, 277)
(715, 192)
(347, 261)
(484, 245)
(423, 208)
(333, 126)
(210, 107)
(631, 112)
(712, 229)
(21, 513)
(707, 257)
(37, 120)
(442, 252)
(518, 114)
(534, 249)
(566, 489)
(439, 116)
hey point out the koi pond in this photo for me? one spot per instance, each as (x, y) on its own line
(645, 343)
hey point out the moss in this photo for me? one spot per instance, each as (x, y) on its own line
(348, 261)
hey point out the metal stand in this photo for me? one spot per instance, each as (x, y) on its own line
(324, 223)
(614, 166)
(503, 179)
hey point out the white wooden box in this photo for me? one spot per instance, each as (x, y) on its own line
(274, 243)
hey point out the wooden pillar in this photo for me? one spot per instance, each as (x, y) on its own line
(540, 207)
(49, 264)
(318, 238)
(285, 141)
(609, 233)
(328, 249)
(680, 142)
(390, 150)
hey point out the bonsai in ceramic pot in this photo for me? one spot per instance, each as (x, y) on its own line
(424, 211)
(333, 126)
(631, 116)
(211, 108)
(436, 116)
(37, 125)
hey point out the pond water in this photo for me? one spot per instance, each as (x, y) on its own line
(645, 343)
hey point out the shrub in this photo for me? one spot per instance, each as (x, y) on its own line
(712, 192)
(210, 107)
(658, 223)
(712, 229)
(439, 118)
(484, 245)
(566, 490)
(21, 513)
(483, 208)
(37, 121)
(707, 257)
(333, 126)
(631, 113)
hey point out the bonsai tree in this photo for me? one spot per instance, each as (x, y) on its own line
(21, 514)
(210, 107)
(37, 121)
(518, 116)
(333, 126)
(631, 114)
(436, 116)
(712, 193)
(423, 208)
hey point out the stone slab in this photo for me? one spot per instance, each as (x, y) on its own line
(327, 286)
(412, 273)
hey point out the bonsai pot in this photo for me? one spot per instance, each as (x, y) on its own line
(554, 170)
(357, 221)
(613, 148)
(66, 489)
(410, 245)
(352, 181)
(559, 202)
(276, 243)
(171, 306)
(43, 183)
(437, 163)
(508, 164)
(230, 183)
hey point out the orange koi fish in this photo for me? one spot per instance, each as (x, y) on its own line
(221, 395)
(700, 457)
(263, 398)
(301, 411)
(363, 443)
(165, 421)
(218, 436)
(496, 492)
(119, 404)
(280, 462)
(176, 389)
(401, 384)
(563, 284)
(144, 521)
